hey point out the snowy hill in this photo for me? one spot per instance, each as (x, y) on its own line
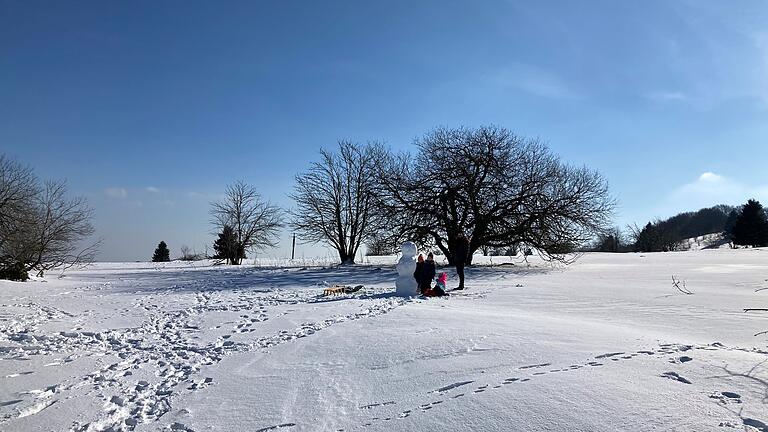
(606, 344)
(707, 241)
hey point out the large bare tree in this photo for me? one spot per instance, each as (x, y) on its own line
(41, 228)
(334, 198)
(18, 187)
(256, 223)
(62, 225)
(495, 188)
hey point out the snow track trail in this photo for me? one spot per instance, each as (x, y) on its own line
(604, 345)
(527, 375)
(144, 367)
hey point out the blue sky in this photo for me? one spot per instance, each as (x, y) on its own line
(149, 108)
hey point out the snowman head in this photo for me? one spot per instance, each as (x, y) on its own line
(409, 249)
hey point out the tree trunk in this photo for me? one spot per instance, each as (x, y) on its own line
(452, 262)
(346, 258)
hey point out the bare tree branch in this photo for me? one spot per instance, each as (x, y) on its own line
(494, 187)
(41, 228)
(255, 223)
(334, 199)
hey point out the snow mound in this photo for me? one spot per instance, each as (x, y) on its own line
(706, 241)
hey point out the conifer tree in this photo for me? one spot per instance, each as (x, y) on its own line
(162, 254)
(226, 246)
(730, 223)
(751, 227)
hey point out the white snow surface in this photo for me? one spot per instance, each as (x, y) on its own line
(605, 344)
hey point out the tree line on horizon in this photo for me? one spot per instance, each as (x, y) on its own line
(497, 189)
(503, 192)
(745, 225)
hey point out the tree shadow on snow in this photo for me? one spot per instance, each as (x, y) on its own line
(268, 279)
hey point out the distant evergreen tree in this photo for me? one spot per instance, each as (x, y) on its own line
(15, 272)
(654, 238)
(730, 222)
(162, 254)
(226, 246)
(608, 243)
(751, 226)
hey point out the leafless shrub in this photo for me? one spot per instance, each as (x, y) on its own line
(188, 254)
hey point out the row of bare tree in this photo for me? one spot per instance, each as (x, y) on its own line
(487, 184)
(41, 227)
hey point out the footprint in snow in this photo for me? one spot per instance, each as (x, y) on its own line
(675, 376)
(607, 355)
(281, 426)
(535, 366)
(19, 374)
(451, 386)
(757, 424)
(726, 397)
(373, 405)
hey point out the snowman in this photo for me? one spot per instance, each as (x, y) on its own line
(406, 285)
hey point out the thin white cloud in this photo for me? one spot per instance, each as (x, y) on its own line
(533, 80)
(116, 192)
(664, 96)
(710, 189)
(152, 189)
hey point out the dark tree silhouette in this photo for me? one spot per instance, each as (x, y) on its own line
(730, 222)
(655, 237)
(162, 254)
(334, 199)
(668, 234)
(41, 227)
(255, 223)
(751, 226)
(609, 241)
(496, 188)
(381, 245)
(226, 246)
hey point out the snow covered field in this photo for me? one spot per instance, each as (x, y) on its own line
(605, 344)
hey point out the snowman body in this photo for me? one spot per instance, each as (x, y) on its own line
(406, 285)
